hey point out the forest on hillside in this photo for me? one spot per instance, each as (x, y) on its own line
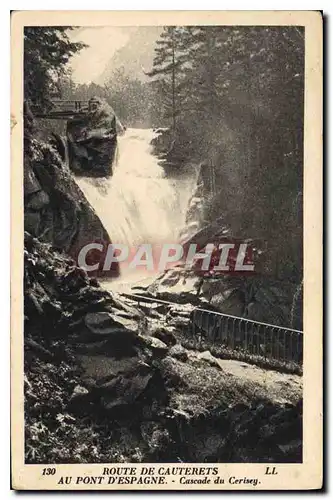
(114, 378)
(231, 98)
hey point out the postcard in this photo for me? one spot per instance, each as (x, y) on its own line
(166, 271)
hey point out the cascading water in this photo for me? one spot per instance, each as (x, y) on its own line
(139, 203)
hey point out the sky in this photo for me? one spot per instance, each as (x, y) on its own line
(103, 42)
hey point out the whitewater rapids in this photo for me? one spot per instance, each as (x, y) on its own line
(139, 203)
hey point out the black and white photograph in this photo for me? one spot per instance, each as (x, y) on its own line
(163, 277)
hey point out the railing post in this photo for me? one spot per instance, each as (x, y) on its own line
(233, 335)
(245, 336)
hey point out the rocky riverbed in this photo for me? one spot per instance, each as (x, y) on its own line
(103, 385)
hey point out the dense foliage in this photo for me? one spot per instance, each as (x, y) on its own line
(131, 98)
(47, 51)
(233, 97)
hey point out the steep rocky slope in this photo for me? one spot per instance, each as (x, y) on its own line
(55, 209)
(101, 386)
(250, 296)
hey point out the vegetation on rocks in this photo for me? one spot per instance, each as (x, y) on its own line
(100, 388)
(103, 383)
(47, 51)
(55, 209)
(233, 105)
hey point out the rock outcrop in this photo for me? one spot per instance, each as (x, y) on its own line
(55, 209)
(101, 387)
(254, 297)
(92, 140)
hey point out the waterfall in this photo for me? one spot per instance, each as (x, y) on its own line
(139, 203)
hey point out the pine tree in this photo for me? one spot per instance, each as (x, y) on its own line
(170, 58)
(204, 44)
(47, 51)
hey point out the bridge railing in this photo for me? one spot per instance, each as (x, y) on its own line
(237, 333)
(263, 339)
(63, 109)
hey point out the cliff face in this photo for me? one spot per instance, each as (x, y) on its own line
(101, 385)
(253, 297)
(247, 192)
(56, 210)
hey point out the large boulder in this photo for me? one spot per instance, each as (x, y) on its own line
(56, 210)
(92, 140)
(176, 285)
(254, 297)
(98, 333)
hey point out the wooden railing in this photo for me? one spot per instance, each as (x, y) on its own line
(63, 109)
